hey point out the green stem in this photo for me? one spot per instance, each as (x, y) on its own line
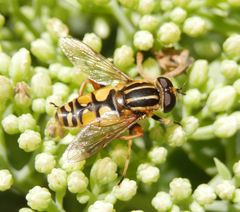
(54, 208)
(203, 133)
(59, 199)
(121, 18)
(230, 150)
(17, 13)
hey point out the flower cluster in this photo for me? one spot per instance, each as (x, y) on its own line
(174, 166)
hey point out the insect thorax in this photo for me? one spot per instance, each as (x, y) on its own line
(141, 96)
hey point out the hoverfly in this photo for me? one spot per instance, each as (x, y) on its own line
(116, 105)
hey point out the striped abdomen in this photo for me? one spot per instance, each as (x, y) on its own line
(88, 108)
(141, 96)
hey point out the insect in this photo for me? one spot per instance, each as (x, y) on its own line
(116, 105)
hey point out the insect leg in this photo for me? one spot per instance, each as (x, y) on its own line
(165, 122)
(126, 161)
(95, 85)
(136, 131)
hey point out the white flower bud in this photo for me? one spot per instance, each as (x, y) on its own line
(158, 155)
(225, 190)
(236, 169)
(194, 206)
(198, 74)
(225, 126)
(150, 70)
(192, 98)
(123, 57)
(146, 6)
(204, 194)
(178, 15)
(77, 182)
(119, 154)
(83, 198)
(26, 122)
(221, 99)
(229, 68)
(190, 124)
(26, 210)
(101, 206)
(162, 201)
(93, 41)
(61, 89)
(111, 198)
(50, 109)
(148, 174)
(50, 147)
(143, 40)
(231, 46)
(175, 136)
(180, 189)
(6, 180)
(169, 33)
(44, 162)
(38, 198)
(101, 27)
(148, 23)
(195, 26)
(29, 140)
(126, 190)
(38, 105)
(104, 171)
(175, 208)
(10, 124)
(57, 179)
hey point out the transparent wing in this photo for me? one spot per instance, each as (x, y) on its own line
(96, 136)
(97, 67)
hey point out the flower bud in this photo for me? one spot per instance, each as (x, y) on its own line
(5, 61)
(43, 50)
(221, 99)
(44, 162)
(162, 201)
(50, 147)
(204, 194)
(39, 105)
(148, 174)
(111, 198)
(29, 140)
(57, 28)
(178, 15)
(6, 180)
(22, 95)
(43, 89)
(60, 89)
(175, 136)
(101, 206)
(225, 126)
(169, 33)
(25, 210)
(77, 182)
(119, 155)
(225, 190)
(194, 206)
(150, 70)
(104, 171)
(148, 23)
(50, 109)
(83, 198)
(158, 155)
(6, 89)
(146, 6)
(229, 68)
(101, 28)
(166, 5)
(123, 57)
(20, 67)
(126, 190)
(231, 46)
(57, 179)
(180, 189)
(190, 125)
(236, 196)
(192, 98)
(195, 26)
(143, 40)
(236, 85)
(38, 198)
(65, 74)
(199, 74)
(10, 124)
(93, 41)
(26, 122)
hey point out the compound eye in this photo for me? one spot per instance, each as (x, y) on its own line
(169, 101)
(165, 82)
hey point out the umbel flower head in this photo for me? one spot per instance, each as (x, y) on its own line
(173, 166)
